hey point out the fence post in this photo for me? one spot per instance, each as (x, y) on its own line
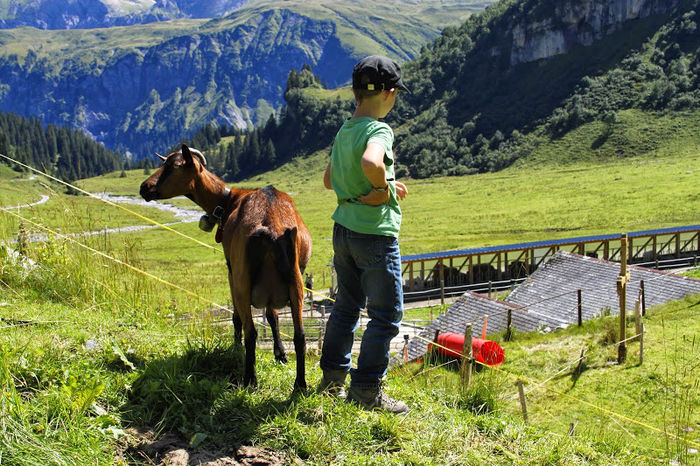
(577, 371)
(523, 406)
(643, 297)
(622, 292)
(429, 355)
(405, 348)
(580, 309)
(639, 327)
(489, 288)
(641, 343)
(637, 318)
(483, 329)
(322, 328)
(442, 283)
(509, 335)
(467, 354)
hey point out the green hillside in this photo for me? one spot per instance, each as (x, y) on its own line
(476, 108)
(61, 152)
(486, 93)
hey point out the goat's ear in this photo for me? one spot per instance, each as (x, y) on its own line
(186, 154)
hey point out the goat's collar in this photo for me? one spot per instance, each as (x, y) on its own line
(220, 215)
(219, 212)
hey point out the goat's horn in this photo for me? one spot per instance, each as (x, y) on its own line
(161, 157)
(199, 155)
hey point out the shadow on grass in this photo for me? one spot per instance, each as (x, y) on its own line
(195, 400)
(576, 373)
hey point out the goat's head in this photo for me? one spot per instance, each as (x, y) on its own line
(177, 175)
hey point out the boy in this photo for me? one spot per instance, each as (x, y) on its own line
(365, 239)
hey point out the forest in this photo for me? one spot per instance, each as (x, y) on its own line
(62, 152)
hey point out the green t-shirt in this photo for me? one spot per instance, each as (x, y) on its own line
(349, 182)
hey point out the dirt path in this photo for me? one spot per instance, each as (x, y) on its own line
(44, 199)
(183, 215)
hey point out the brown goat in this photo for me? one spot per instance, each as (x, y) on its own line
(265, 242)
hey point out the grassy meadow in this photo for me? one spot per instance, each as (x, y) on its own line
(97, 360)
(541, 197)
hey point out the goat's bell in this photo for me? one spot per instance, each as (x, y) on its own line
(206, 223)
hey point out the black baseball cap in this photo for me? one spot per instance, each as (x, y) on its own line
(383, 74)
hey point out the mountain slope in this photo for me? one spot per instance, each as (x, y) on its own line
(477, 106)
(486, 91)
(144, 87)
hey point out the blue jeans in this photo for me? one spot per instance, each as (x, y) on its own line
(368, 268)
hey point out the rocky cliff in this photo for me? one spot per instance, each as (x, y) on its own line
(542, 34)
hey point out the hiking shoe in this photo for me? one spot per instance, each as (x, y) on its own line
(333, 383)
(375, 398)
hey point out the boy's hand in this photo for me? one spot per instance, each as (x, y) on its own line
(401, 190)
(375, 197)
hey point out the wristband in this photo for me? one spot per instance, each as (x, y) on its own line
(374, 188)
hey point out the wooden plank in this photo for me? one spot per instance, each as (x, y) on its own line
(606, 250)
(630, 255)
(471, 269)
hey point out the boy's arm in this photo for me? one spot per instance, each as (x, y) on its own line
(373, 167)
(327, 177)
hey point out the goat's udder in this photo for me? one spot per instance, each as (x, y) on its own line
(266, 293)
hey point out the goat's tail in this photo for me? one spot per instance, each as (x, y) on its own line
(262, 243)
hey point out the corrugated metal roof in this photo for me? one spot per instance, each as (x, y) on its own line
(552, 289)
(544, 244)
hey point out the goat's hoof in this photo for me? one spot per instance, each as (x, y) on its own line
(281, 358)
(299, 385)
(251, 382)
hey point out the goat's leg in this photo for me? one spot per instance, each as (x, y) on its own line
(237, 328)
(236, 317)
(296, 300)
(273, 320)
(250, 336)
